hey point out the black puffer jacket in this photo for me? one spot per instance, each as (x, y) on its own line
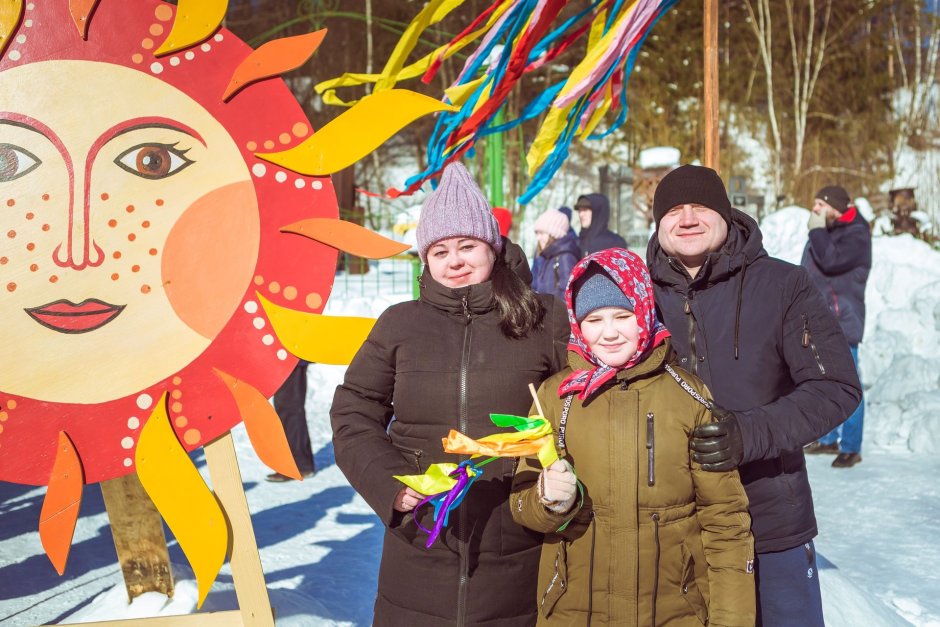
(442, 363)
(597, 236)
(759, 334)
(838, 258)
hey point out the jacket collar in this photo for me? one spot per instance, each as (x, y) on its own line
(654, 361)
(474, 299)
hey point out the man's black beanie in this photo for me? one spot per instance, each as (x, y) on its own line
(691, 184)
(836, 197)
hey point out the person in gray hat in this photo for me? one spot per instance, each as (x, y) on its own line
(469, 346)
(760, 335)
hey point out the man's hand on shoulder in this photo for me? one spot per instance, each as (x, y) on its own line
(718, 446)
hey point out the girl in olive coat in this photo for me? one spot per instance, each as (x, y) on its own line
(653, 539)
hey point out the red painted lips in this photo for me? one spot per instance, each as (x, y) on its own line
(65, 316)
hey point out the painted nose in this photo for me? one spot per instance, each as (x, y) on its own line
(79, 250)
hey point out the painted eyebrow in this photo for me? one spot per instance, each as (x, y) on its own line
(136, 124)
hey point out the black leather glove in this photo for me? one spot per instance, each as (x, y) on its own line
(718, 446)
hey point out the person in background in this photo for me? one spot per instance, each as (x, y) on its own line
(838, 259)
(656, 540)
(503, 219)
(556, 254)
(289, 405)
(758, 333)
(469, 346)
(594, 215)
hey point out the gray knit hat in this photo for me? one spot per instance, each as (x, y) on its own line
(596, 290)
(457, 208)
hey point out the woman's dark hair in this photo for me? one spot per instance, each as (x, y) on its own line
(520, 309)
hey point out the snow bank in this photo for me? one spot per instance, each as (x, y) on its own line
(900, 366)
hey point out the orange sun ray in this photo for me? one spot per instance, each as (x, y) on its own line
(195, 21)
(274, 58)
(190, 509)
(264, 428)
(61, 504)
(82, 11)
(348, 237)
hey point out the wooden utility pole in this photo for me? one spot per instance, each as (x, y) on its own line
(711, 84)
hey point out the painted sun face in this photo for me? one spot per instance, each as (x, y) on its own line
(126, 232)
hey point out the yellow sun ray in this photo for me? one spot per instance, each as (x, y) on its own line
(194, 22)
(314, 337)
(187, 505)
(274, 58)
(11, 12)
(265, 429)
(356, 132)
(348, 237)
(61, 504)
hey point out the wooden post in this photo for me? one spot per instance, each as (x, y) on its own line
(250, 589)
(138, 537)
(711, 84)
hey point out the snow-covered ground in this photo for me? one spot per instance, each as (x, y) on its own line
(319, 543)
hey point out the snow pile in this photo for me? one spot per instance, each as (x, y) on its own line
(899, 363)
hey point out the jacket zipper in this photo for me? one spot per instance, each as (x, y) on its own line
(808, 342)
(655, 518)
(463, 420)
(650, 451)
(693, 367)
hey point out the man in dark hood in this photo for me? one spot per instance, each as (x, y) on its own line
(760, 335)
(594, 214)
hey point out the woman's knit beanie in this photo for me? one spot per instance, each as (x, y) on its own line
(457, 208)
(553, 223)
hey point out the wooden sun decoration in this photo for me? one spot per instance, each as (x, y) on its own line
(169, 242)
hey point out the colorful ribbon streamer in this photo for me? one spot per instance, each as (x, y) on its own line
(447, 484)
(518, 37)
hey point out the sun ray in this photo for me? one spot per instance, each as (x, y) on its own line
(195, 21)
(264, 428)
(11, 13)
(61, 504)
(321, 339)
(356, 132)
(187, 505)
(82, 11)
(348, 237)
(274, 58)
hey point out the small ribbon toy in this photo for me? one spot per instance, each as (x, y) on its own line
(448, 484)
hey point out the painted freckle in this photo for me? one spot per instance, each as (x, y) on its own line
(159, 202)
(112, 223)
(31, 246)
(145, 289)
(53, 278)
(10, 202)
(135, 268)
(145, 224)
(153, 252)
(11, 287)
(105, 196)
(115, 276)
(3, 261)
(30, 215)
(131, 237)
(45, 227)
(45, 196)
(33, 267)
(192, 436)
(116, 254)
(11, 234)
(129, 209)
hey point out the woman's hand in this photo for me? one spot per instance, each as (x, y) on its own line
(557, 487)
(406, 500)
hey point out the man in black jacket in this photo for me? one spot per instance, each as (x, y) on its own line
(838, 258)
(594, 214)
(759, 334)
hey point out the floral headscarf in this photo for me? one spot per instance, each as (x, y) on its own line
(630, 274)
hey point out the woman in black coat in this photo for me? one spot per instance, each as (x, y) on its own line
(468, 347)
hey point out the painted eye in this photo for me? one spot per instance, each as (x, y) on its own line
(153, 161)
(16, 162)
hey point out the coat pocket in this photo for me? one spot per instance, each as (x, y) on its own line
(689, 589)
(412, 456)
(558, 584)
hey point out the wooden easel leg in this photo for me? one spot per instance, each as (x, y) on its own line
(138, 537)
(250, 588)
